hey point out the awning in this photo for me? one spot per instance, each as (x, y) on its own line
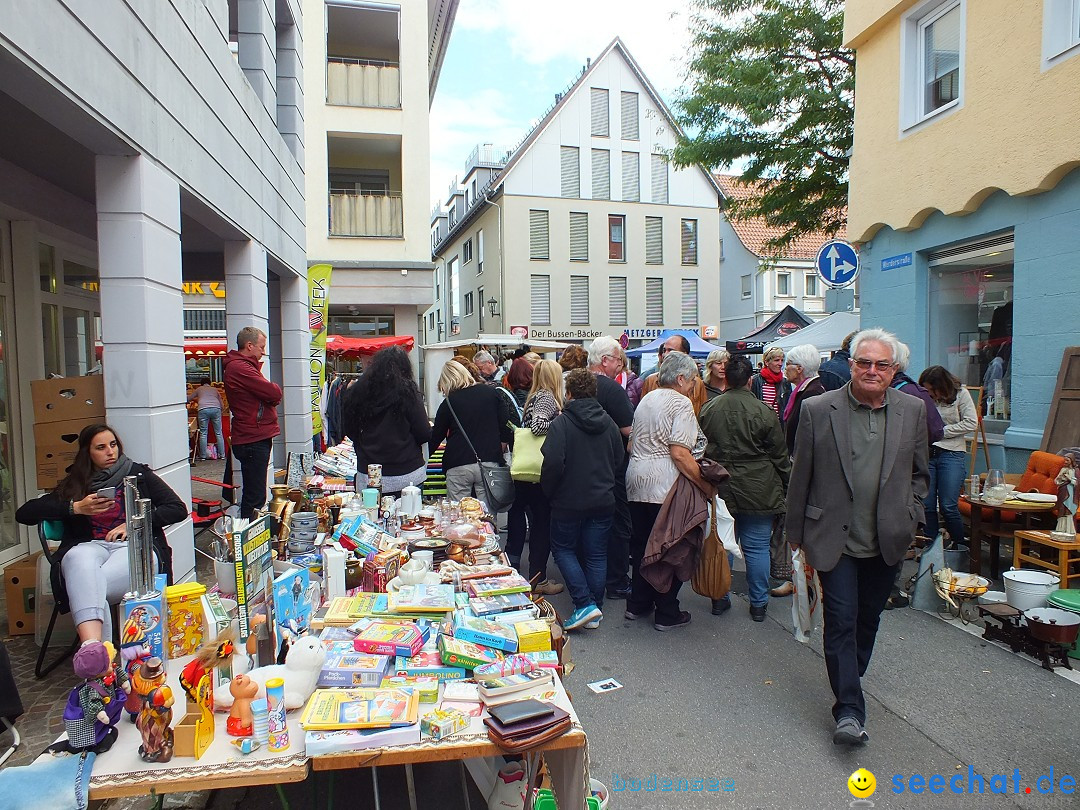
(783, 323)
(826, 335)
(206, 347)
(698, 347)
(351, 348)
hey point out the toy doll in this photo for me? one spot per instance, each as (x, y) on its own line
(133, 652)
(155, 712)
(94, 707)
(243, 691)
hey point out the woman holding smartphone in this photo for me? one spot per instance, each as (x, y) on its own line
(92, 569)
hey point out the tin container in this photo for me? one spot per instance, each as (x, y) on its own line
(374, 475)
(277, 725)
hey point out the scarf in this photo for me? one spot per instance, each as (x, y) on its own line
(791, 400)
(771, 376)
(112, 476)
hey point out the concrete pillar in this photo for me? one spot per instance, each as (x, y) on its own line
(257, 46)
(142, 325)
(273, 346)
(290, 89)
(219, 12)
(296, 370)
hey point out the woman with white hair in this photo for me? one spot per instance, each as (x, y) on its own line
(715, 381)
(769, 385)
(803, 363)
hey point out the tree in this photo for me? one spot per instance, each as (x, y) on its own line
(771, 85)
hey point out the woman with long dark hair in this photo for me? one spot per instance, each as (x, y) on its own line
(384, 416)
(91, 569)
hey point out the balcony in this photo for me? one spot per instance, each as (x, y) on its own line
(362, 83)
(363, 54)
(370, 214)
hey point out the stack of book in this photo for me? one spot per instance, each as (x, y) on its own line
(497, 691)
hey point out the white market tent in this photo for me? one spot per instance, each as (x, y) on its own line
(826, 334)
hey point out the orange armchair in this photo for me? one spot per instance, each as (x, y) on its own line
(1042, 469)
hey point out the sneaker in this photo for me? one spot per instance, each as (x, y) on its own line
(511, 785)
(635, 616)
(549, 588)
(595, 623)
(721, 606)
(583, 616)
(849, 731)
(684, 619)
(757, 613)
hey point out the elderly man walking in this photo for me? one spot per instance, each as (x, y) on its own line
(859, 476)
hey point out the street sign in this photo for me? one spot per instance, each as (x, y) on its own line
(893, 262)
(837, 263)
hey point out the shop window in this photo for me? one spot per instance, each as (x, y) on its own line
(616, 237)
(80, 277)
(361, 325)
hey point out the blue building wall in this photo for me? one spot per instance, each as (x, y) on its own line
(1046, 293)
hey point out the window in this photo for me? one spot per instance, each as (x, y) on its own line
(721, 248)
(579, 300)
(466, 252)
(455, 290)
(600, 112)
(616, 224)
(431, 321)
(629, 116)
(540, 309)
(538, 235)
(932, 53)
(601, 174)
(689, 302)
(654, 302)
(617, 300)
(746, 287)
(571, 171)
(1061, 30)
(631, 180)
(204, 320)
(659, 179)
(453, 216)
(469, 304)
(812, 285)
(783, 283)
(579, 236)
(654, 240)
(474, 191)
(688, 233)
(479, 252)
(480, 305)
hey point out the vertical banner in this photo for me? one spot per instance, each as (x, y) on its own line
(318, 301)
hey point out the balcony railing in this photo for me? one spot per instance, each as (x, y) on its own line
(366, 215)
(362, 83)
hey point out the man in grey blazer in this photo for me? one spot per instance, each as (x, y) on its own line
(859, 476)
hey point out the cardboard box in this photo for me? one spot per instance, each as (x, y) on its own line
(20, 589)
(69, 398)
(56, 444)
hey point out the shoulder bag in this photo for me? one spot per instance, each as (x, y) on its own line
(527, 459)
(495, 477)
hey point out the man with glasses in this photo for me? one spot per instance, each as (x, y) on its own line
(677, 343)
(859, 476)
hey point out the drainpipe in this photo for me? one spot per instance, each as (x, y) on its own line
(502, 270)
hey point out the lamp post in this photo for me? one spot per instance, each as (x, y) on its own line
(493, 307)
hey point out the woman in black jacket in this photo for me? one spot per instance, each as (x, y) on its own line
(384, 416)
(90, 570)
(484, 414)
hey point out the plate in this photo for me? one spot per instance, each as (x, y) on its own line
(1034, 497)
(396, 584)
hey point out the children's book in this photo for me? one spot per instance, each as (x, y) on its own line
(317, 743)
(330, 709)
(292, 609)
(429, 662)
(484, 631)
(389, 638)
(422, 599)
(346, 667)
(503, 603)
(493, 687)
(496, 586)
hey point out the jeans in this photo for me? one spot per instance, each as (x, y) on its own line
(754, 533)
(254, 460)
(96, 575)
(643, 596)
(211, 416)
(853, 594)
(947, 473)
(534, 504)
(579, 546)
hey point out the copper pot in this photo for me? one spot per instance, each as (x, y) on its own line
(354, 572)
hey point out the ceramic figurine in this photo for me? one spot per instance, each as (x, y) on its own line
(243, 691)
(134, 650)
(300, 671)
(95, 706)
(155, 712)
(1065, 530)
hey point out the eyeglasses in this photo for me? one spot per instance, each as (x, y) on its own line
(880, 365)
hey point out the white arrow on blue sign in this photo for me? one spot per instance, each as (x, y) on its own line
(838, 263)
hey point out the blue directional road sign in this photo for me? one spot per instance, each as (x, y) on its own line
(838, 263)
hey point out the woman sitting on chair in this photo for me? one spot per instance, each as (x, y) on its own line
(93, 554)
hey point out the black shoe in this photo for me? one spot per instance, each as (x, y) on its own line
(618, 593)
(635, 616)
(684, 619)
(721, 606)
(897, 600)
(758, 613)
(849, 731)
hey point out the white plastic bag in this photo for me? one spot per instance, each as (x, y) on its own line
(806, 601)
(725, 527)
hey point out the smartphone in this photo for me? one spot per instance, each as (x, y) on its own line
(109, 493)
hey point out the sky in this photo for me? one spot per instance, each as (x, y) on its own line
(508, 58)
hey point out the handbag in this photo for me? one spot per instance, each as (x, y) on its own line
(712, 578)
(527, 459)
(495, 478)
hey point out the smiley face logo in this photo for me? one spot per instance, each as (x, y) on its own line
(862, 784)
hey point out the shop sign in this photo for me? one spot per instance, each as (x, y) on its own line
(893, 262)
(644, 334)
(214, 288)
(519, 331)
(546, 333)
(710, 332)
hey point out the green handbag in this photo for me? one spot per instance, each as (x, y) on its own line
(527, 459)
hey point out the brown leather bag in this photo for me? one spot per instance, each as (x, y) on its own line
(712, 578)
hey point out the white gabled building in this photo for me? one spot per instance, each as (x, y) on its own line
(584, 228)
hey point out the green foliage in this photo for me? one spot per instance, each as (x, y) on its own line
(770, 85)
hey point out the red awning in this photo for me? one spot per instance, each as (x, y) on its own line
(206, 347)
(350, 348)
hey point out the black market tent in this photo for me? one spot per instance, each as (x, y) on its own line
(784, 322)
(698, 347)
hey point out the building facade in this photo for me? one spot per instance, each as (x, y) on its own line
(584, 228)
(371, 72)
(965, 197)
(145, 145)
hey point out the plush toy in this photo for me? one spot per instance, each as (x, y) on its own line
(300, 672)
(155, 712)
(94, 707)
(243, 691)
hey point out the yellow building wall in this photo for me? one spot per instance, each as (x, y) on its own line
(1018, 128)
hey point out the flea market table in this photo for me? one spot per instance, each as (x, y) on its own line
(1039, 548)
(992, 533)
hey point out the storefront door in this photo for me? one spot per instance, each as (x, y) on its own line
(12, 542)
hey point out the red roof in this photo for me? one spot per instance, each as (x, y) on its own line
(754, 233)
